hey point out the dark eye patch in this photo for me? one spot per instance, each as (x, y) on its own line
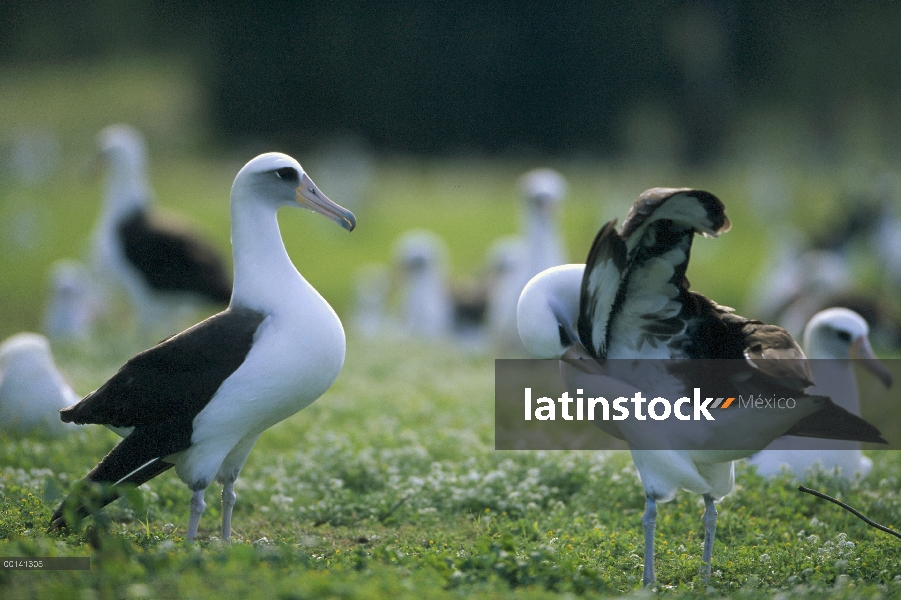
(288, 174)
(844, 336)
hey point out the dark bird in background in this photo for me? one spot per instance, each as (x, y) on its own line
(853, 261)
(163, 266)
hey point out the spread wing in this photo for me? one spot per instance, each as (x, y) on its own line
(604, 270)
(700, 211)
(634, 289)
(635, 302)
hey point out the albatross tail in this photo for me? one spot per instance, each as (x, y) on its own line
(125, 465)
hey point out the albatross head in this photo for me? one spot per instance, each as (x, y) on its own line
(421, 253)
(543, 188)
(279, 179)
(840, 333)
(121, 149)
(548, 311)
(122, 144)
(121, 152)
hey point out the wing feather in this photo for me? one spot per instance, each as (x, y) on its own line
(604, 269)
(635, 279)
(701, 211)
(134, 461)
(158, 393)
(176, 378)
(635, 295)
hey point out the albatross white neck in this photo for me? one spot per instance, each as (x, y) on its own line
(264, 273)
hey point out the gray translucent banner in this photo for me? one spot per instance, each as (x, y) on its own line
(735, 406)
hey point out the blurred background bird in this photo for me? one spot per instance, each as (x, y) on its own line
(421, 262)
(539, 247)
(76, 303)
(32, 390)
(163, 265)
(835, 339)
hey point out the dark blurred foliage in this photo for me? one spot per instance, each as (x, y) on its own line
(40, 31)
(488, 76)
(478, 75)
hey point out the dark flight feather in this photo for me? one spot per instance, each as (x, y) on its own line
(597, 302)
(835, 423)
(660, 220)
(174, 379)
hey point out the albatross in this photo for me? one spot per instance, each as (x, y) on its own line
(421, 260)
(834, 338)
(632, 301)
(162, 265)
(431, 306)
(199, 400)
(75, 302)
(32, 390)
(542, 190)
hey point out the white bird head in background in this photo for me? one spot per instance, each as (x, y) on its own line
(840, 333)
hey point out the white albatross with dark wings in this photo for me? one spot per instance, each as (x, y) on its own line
(836, 339)
(632, 301)
(161, 263)
(199, 400)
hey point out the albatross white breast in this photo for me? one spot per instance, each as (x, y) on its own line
(199, 400)
(633, 302)
(163, 266)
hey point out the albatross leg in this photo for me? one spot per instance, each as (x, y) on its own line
(228, 503)
(197, 508)
(709, 520)
(649, 520)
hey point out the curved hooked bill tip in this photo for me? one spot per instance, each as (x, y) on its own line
(309, 196)
(861, 350)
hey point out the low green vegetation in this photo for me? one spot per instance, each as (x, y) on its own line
(389, 485)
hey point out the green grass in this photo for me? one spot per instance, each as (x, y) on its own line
(392, 474)
(389, 484)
